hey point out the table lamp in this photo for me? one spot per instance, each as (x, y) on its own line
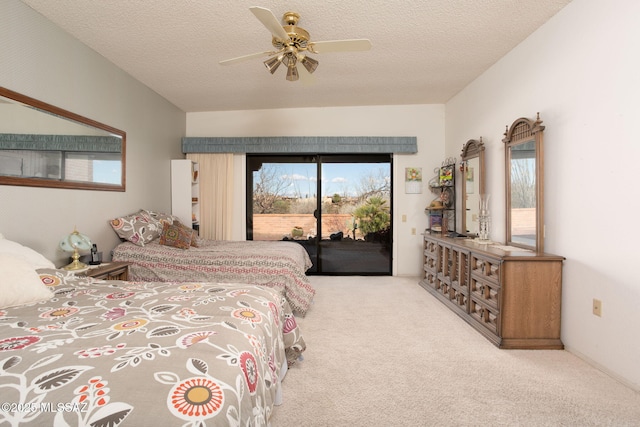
(75, 242)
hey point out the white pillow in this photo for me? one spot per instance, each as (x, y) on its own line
(19, 283)
(32, 257)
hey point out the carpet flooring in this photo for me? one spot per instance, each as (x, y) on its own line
(381, 351)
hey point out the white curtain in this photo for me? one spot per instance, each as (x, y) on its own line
(216, 194)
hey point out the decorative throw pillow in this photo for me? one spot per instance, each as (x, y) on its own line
(136, 228)
(21, 283)
(195, 239)
(159, 217)
(32, 257)
(176, 235)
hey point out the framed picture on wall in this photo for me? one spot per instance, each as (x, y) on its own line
(413, 180)
(446, 175)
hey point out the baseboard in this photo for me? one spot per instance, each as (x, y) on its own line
(604, 370)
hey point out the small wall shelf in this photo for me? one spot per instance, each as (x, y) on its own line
(442, 210)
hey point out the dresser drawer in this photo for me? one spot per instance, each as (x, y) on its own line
(460, 275)
(485, 291)
(459, 298)
(429, 278)
(484, 315)
(484, 268)
(430, 247)
(430, 263)
(442, 286)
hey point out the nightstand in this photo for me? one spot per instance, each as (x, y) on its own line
(109, 271)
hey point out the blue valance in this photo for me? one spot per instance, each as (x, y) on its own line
(34, 142)
(301, 144)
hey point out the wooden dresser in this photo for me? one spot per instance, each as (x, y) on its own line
(512, 297)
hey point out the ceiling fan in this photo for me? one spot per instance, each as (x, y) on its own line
(292, 44)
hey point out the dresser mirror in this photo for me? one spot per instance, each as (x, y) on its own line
(524, 168)
(472, 169)
(45, 146)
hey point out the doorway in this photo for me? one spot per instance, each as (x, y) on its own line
(337, 206)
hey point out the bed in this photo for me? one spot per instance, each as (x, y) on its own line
(142, 353)
(161, 249)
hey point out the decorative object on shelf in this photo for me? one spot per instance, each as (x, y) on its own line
(444, 226)
(413, 180)
(75, 242)
(435, 181)
(446, 174)
(446, 196)
(484, 219)
(297, 231)
(435, 223)
(435, 204)
(96, 257)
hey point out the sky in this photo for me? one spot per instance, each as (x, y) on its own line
(341, 178)
(107, 172)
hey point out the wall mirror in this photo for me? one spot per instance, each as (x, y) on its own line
(45, 146)
(472, 169)
(524, 184)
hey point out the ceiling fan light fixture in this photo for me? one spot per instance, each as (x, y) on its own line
(273, 63)
(292, 43)
(292, 73)
(309, 63)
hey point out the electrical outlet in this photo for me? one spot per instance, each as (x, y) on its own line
(597, 307)
(413, 231)
(404, 218)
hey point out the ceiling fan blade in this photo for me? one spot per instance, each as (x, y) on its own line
(246, 57)
(270, 21)
(352, 45)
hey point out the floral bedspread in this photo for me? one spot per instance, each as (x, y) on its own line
(109, 353)
(280, 265)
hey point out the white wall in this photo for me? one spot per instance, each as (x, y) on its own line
(41, 61)
(580, 71)
(426, 122)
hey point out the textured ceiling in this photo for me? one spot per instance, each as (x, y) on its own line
(423, 51)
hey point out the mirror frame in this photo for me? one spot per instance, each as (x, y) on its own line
(49, 183)
(522, 131)
(470, 150)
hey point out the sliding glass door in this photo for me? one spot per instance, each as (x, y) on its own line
(337, 206)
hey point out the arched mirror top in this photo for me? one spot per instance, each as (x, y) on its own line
(524, 180)
(42, 145)
(471, 149)
(522, 130)
(472, 169)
